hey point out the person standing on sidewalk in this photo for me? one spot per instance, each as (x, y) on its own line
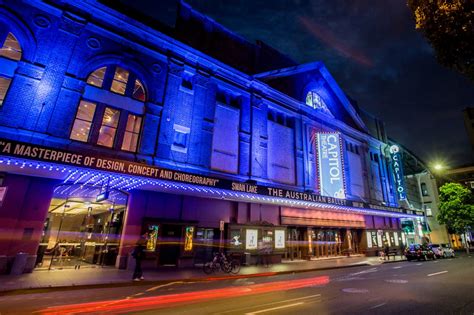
(386, 251)
(139, 253)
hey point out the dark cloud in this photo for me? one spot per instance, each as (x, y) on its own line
(374, 53)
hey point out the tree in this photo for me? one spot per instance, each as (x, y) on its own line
(449, 27)
(456, 208)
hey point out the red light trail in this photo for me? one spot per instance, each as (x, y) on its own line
(139, 304)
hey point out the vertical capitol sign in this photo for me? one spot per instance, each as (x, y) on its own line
(398, 172)
(330, 165)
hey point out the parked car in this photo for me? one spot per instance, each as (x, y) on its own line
(418, 252)
(447, 251)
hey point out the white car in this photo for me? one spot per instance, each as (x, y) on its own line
(447, 251)
(442, 250)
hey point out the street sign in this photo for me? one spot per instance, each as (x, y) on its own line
(102, 196)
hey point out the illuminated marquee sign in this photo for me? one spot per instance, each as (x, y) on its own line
(330, 165)
(398, 172)
(30, 152)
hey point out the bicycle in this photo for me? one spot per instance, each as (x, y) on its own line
(220, 261)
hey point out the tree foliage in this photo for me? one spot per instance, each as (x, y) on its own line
(449, 27)
(456, 208)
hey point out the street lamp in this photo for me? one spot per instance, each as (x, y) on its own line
(438, 166)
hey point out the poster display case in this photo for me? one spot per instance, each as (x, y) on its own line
(256, 240)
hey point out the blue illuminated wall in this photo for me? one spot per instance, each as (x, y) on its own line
(64, 42)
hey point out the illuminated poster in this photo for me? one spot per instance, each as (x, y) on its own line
(379, 238)
(279, 239)
(395, 236)
(251, 238)
(152, 237)
(369, 240)
(188, 238)
(330, 165)
(398, 172)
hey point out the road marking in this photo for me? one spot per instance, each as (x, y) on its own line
(396, 281)
(163, 285)
(437, 273)
(272, 303)
(376, 306)
(275, 308)
(354, 290)
(398, 267)
(364, 271)
(419, 264)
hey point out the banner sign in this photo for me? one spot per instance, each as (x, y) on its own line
(330, 165)
(85, 160)
(398, 172)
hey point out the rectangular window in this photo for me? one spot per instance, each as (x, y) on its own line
(108, 128)
(428, 211)
(83, 121)
(119, 83)
(132, 132)
(180, 139)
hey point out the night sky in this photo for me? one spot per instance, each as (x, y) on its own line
(374, 53)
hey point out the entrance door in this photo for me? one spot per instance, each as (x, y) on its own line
(79, 231)
(170, 244)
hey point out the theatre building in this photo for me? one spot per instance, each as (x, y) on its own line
(113, 125)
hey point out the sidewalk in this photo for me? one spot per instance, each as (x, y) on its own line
(103, 277)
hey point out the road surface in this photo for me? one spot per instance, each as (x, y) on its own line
(444, 286)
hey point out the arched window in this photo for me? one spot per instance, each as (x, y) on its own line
(11, 50)
(315, 101)
(118, 80)
(106, 124)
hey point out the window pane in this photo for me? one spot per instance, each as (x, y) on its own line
(119, 83)
(80, 130)
(121, 75)
(111, 117)
(130, 141)
(134, 123)
(106, 136)
(86, 111)
(4, 85)
(96, 78)
(118, 87)
(11, 48)
(138, 91)
(309, 99)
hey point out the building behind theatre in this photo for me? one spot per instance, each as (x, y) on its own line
(112, 127)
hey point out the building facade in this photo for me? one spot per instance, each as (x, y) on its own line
(112, 127)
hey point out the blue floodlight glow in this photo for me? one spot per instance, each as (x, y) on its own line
(94, 179)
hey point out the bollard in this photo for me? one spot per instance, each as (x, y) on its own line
(19, 264)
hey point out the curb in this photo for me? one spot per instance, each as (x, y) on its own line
(160, 282)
